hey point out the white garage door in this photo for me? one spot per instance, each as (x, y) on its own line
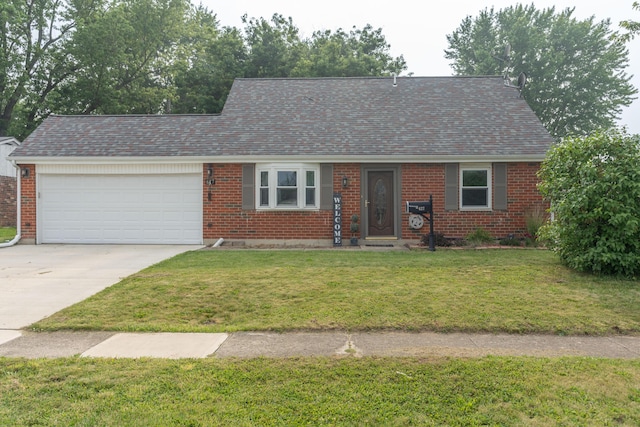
(122, 209)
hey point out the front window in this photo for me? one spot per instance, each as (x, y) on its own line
(288, 186)
(475, 189)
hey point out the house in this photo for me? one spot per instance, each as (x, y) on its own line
(8, 191)
(266, 169)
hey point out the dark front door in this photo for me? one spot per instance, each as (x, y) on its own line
(379, 204)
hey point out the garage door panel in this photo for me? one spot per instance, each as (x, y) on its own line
(151, 209)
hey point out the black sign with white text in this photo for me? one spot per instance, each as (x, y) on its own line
(337, 219)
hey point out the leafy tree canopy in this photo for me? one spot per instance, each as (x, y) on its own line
(576, 69)
(593, 184)
(156, 56)
(632, 27)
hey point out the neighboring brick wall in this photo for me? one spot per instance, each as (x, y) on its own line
(28, 202)
(223, 215)
(7, 201)
(421, 180)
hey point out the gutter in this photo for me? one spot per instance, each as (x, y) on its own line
(285, 158)
(18, 210)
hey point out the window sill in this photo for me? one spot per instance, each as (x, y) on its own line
(480, 209)
(262, 209)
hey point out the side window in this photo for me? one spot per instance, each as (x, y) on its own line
(475, 187)
(310, 190)
(264, 189)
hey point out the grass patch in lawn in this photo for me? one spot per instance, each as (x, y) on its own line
(7, 233)
(513, 291)
(320, 391)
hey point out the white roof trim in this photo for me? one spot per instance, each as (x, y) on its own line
(9, 141)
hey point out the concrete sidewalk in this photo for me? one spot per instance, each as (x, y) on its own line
(267, 344)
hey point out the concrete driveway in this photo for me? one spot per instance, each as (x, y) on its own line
(39, 280)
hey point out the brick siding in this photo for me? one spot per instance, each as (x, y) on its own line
(224, 217)
(421, 180)
(28, 203)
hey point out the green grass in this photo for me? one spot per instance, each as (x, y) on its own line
(320, 391)
(513, 291)
(7, 233)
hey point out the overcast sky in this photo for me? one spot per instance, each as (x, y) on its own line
(417, 29)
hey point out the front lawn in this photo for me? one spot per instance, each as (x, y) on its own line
(320, 391)
(514, 291)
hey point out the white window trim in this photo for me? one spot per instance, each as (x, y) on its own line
(476, 167)
(301, 169)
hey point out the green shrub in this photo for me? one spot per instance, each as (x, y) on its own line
(593, 184)
(479, 236)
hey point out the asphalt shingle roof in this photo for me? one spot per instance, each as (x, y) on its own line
(119, 136)
(333, 117)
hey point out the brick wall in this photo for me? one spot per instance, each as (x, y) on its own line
(223, 215)
(7, 201)
(28, 202)
(421, 180)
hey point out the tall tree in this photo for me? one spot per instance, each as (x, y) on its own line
(121, 57)
(155, 56)
(361, 52)
(577, 80)
(632, 27)
(34, 37)
(274, 46)
(208, 58)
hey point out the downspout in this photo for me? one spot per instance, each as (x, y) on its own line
(18, 209)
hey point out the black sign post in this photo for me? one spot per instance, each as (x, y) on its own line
(337, 219)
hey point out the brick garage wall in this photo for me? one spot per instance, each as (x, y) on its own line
(223, 215)
(28, 204)
(421, 180)
(7, 201)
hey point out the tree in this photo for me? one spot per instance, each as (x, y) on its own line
(208, 59)
(577, 80)
(632, 27)
(122, 57)
(593, 184)
(34, 37)
(155, 56)
(274, 47)
(361, 52)
(277, 50)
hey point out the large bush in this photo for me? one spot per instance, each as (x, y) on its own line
(593, 184)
